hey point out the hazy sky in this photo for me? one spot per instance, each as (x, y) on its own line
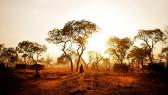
(32, 19)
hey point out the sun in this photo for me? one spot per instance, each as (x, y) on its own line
(97, 43)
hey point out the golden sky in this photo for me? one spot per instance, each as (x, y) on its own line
(32, 19)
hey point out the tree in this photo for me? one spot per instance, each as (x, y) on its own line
(74, 33)
(165, 54)
(24, 56)
(32, 49)
(1, 50)
(138, 54)
(48, 60)
(118, 47)
(165, 36)
(106, 61)
(57, 36)
(150, 38)
(79, 32)
(9, 55)
(95, 59)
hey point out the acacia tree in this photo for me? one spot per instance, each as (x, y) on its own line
(95, 59)
(74, 33)
(118, 47)
(32, 49)
(79, 32)
(9, 55)
(58, 37)
(150, 38)
(138, 54)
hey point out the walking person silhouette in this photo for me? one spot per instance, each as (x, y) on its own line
(81, 69)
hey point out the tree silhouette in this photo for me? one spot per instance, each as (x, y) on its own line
(48, 60)
(150, 38)
(24, 56)
(1, 51)
(95, 59)
(138, 54)
(74, 33)
(57, 36)
(165, 54)
(32, 49)
(9, 55)
(118, 47)
(79, 32)
(106, 61)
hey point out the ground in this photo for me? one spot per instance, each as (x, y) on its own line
(64, 82)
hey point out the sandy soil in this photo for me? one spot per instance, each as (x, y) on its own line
(55, 82)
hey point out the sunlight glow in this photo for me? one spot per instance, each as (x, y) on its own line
(97, 43)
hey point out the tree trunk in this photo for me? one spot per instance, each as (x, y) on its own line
(167, 64)
(86, 66)
(25, 60)
(79, 58)
(138, 65)
(150, 58)
(97, 66)
(77, 66)
(68, 59)
(63, 49)
(71, 65)
(142, 65)
(37, 75)
(121, 61)
(109, 65)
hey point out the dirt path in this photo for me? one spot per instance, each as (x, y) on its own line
(67, 83)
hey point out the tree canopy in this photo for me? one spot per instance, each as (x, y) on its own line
(74, 33)
(150, 38)
(118, 47)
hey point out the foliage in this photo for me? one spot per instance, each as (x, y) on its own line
(9, 55)
(118, 47)
(73, 33)
(95, 58)
(150, 38)
(138, 54)
(165, 53)
(32, 49)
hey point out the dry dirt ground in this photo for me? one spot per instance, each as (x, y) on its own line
(59, 82)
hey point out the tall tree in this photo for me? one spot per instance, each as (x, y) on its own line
(73, 33)
(58, 37)
(32, 49)
(138, 54)
(150, 38)
(118, 47)
(9, 55)
(79, 32)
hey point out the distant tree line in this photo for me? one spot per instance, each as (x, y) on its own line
(73, 39)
